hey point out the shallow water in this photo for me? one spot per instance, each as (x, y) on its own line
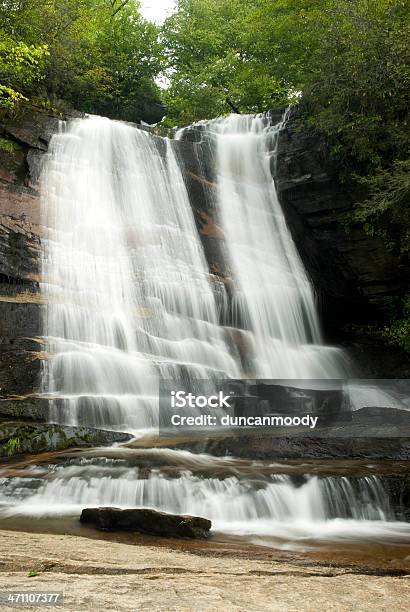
(292, 506)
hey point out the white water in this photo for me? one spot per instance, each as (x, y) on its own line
(268, 508)
(225, 499)
(273, 296)
(127, 285)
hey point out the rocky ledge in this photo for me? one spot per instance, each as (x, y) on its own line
(260, 444)
(21, 437)
(95, 574)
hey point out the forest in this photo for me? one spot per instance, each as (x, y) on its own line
(344, 64)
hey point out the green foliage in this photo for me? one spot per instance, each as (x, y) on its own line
(358, 96)
(99, 56)
(387, 209)
(205, 59)
(12, 446)
(33, 573)
(21, 65)
(8, 145)
(398, 332)
(245, 54)
(129, 59)
(10, 100)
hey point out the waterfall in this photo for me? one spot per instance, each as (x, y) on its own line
(272, 295)
(128, 291)
(129, 298)
(126, 283)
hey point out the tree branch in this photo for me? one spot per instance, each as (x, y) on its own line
(119, 8)
(232, 106)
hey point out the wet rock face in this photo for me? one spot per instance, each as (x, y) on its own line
(398, 490)
(261, 445)
(23, 144)
(374, 359)
(147, 521)
(197, 159)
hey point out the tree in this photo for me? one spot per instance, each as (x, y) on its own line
(358, 95)
(21, 66)
(252, 53)
(102, 56)
(206, 60)
(130, 58)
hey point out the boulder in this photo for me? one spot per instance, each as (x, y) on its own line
(147, 521)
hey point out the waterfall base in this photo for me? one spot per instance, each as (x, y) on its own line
(297, 506)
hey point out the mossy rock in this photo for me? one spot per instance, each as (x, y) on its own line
(12, 156)
(31, 408)
(18, 438)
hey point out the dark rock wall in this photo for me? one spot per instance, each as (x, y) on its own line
(354, 272)
(23, 144)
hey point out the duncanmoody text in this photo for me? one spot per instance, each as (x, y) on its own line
(207, 420)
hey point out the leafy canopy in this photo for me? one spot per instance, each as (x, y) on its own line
(97, 55)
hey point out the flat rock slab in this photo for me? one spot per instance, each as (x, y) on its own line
(147, 521)
(110, 576)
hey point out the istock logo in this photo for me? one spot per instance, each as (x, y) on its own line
(181, 399)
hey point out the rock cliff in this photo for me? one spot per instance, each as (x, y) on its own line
(23, 144)
(355, 272)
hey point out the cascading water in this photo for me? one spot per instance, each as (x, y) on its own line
(127, 285)
(129, 297)
(97, 482)
(264, 505)
(272, 296)
(125, 278)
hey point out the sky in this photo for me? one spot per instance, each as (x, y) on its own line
(156, 10)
